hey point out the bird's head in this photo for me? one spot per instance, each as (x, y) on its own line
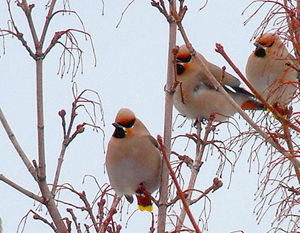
(183, 59)
(124, 122)
(267, 44)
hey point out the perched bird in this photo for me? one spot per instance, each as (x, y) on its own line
(270, 70)
(196, 98)
(133, 160)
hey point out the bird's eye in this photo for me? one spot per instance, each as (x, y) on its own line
(260, 52)
(185, 59)
(128, 124)
(179, 68)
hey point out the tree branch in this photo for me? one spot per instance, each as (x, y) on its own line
(269, 139)
(111, 212)
(21, 189)
(17, 146)
(179, 192)
(220, 49)
(200, 146)
(27, 10)
(163, 190)
(47, 22)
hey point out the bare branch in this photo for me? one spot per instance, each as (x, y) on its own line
(77, 225)
(200, 146)
(47, 22)
(163, 190)
(39, 217)
(111, 212)
(123, 12)
(27, 10)
(17, 146)
(260, 131)
(180, 193)
(21, 189)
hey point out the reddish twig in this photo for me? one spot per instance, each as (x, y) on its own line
(179, 191)
(67, 132)
(77, 225)
(39, 217)
(220, 49)
(269, 139)
(200, 146)
(111, 212)
(216, 185)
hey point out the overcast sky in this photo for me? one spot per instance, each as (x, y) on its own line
(130, 72)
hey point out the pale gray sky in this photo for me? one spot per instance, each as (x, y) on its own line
(130, 72)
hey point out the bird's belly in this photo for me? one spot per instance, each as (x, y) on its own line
(202, 104)
(125, 176)
(274, 90)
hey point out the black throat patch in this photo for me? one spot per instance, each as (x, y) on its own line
(260, 52)
(119, 133)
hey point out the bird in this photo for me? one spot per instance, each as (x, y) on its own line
(133, 160)
(195, 96)
(271, 70)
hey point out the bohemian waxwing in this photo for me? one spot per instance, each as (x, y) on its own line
(133, 160)
(270, 70)
(196, 98)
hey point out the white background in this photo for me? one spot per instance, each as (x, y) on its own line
(130, 72)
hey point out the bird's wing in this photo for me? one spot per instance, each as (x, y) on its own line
(222, 76)
(153, 140)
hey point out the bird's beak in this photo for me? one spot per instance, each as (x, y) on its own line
(258, 45)
(116, 125)
(184, 60)
(178, 60)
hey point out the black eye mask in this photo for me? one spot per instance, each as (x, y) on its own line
(128, 124)
(184, 60)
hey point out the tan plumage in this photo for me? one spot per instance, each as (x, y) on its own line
(133, 160)
(269, 70)
(195, 96)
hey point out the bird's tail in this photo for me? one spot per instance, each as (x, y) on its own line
(252, 104)
(247, 99)
(144, 202)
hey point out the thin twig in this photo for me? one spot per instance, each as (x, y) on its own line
(291, 148)
(58, 168)
(269, 139)
(219, 87)
(216, 185)
(200, 146)
(27, 10)
(36, 216)
(111, 212)
(123, 12)
(18, 34)
(179, 191)
(77, 225)
(220, 49)
(17, 146)
(21, 189)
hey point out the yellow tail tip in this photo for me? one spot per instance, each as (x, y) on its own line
(148, 208)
